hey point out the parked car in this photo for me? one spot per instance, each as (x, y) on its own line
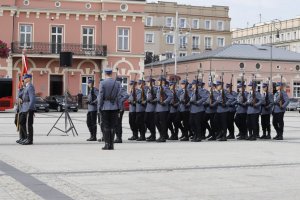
(41, 104)
(58, 103)
(293, 105)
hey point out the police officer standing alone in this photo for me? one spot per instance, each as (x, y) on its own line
(91, 120)
(108, 104)
(281, 101)
(266, 110)
(27, 110)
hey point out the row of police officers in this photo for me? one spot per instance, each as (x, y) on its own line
(189, 108)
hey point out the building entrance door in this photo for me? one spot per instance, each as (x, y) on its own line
(56, 85)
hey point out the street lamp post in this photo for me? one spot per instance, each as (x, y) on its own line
(273, 23)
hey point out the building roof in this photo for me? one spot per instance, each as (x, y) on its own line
(239, 52)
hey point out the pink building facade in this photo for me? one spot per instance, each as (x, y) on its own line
(100, 33)
(237, 60)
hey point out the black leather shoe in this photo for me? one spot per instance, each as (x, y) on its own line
(181, 137)
(92, 139)
(118, 140)
(18, 141)
(141, 139)
(161, 140)
(275, 138)
(252, 138)
(133, 138)
(27, 142)
(196, 140)
(106, 147)
(147, 138)
(184, 139)
(222, 139)
(263, 137)
(212, 139)
(230, 137)
(151, 139)
(279, 138)
(268, 137)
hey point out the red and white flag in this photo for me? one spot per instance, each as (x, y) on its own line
(24, 68)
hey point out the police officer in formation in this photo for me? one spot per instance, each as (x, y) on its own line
(26, 111)
(92, 110)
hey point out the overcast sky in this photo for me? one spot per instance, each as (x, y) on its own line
(243, 11)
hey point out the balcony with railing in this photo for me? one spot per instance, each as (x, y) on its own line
(42, 48)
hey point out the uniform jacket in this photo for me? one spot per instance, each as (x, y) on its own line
(108, 94)
(174, 104)
(151, 103)
(241, 106)
(92, 99)
(182, 106)
(286, 101)
(254, 109)
(223, 108)
(197, 105)
(20, 94)
(140, 107)
(267, 109)
(167, 99)
(132, 103)
(211, 108)
(233, 101)
(28, 98)
(122, 96)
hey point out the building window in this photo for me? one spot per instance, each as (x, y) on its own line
(282, 37)
(182, 54)
(288, 36)
(183, 42)
(182, 23)
(265, 40)
(208, 43)
(124, 83)
(25, 36)
(85, 85)
(123, 39)
(195, 23)
(56, 39)
(220, 26)
(149, 21)
(169, 22)
(295, 35)
(170, 39)
(169, 55)
(196, 42)
(257, 66)
(296, 89)
(242, 66)
(207, 24)
(87, 38)
(221, 42)
(149, 38)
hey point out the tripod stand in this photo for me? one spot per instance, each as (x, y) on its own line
(68, 119)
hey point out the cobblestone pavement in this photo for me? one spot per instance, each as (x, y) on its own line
(67, 167)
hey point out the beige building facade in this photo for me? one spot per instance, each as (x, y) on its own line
(282, 34)
(193, 30)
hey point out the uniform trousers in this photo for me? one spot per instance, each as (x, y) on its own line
(184, 118)
(161, 122)
(265, 124)
(278, 123)
(133, 126)
(149, 120)
(91, 121)
(241, 123)
(253, 124)
(26, 125)
(119, 130)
